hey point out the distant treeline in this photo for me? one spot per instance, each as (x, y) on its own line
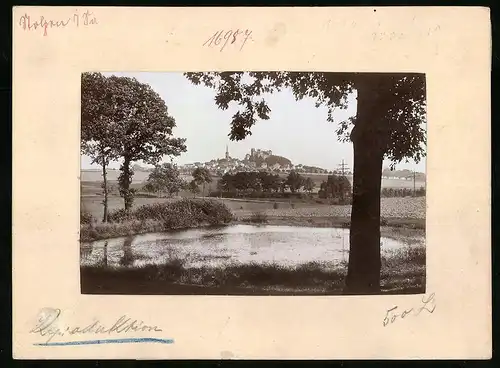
(259, 184)
(247, 183)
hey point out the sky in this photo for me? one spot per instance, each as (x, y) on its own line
(296, 130)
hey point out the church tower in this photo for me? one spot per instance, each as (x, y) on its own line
(227, 153)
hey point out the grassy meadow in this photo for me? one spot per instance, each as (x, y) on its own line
(392, 208)
(397, 210)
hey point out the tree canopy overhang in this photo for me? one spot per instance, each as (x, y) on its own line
(395, 102)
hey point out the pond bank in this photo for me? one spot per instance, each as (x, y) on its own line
(333, 221)
(92, 232)
(402, 272)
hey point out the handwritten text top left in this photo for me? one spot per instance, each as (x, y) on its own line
(30, 23)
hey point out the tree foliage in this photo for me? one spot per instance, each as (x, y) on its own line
(137, 121)
(294, 181)
(97, 131)
(202, 176)
(309, 185)
(397, 121)
(269, 182)
(193, 187)
(164, 178)
(243, 182)
(336, 186)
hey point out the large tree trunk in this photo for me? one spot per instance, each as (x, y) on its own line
(363, 276)
(369, 142)
(105, 191)
(125, 180)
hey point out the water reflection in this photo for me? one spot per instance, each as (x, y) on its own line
(128, 255)
(105, 254)
(86, 251)
(285, 245)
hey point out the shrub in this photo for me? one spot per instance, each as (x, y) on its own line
(155, 211)
(346, 224)
(159, 217)
(402, 192)
(215, 210)
(118, 215)
(275, 205)
(334, 201)
(86, 218)
(258, 218)
(146, 195)
(178, 214)
(347, 201)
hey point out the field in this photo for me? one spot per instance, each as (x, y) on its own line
(91, 199)
(392, 208)
(141, 176)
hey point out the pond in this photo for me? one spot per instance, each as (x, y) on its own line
(240, 244)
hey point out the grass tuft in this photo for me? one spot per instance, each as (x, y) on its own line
(258, 218)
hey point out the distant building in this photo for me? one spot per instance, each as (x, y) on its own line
(257, 159)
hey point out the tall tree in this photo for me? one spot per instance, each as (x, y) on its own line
(388, 124)
(97, 128)
(164, 178)
(142, 128)
(294, 181)
(226, 183)
(309, 185)
(202, 176)
(275, 183)
(193, 187)
(336, 186)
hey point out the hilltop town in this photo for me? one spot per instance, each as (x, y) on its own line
(257, 159)
(265, 160)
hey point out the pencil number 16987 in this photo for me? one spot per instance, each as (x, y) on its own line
(224, 38)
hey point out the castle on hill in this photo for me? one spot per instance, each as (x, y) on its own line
(257, 159)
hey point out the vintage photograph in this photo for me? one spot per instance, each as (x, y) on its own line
(253, 183)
